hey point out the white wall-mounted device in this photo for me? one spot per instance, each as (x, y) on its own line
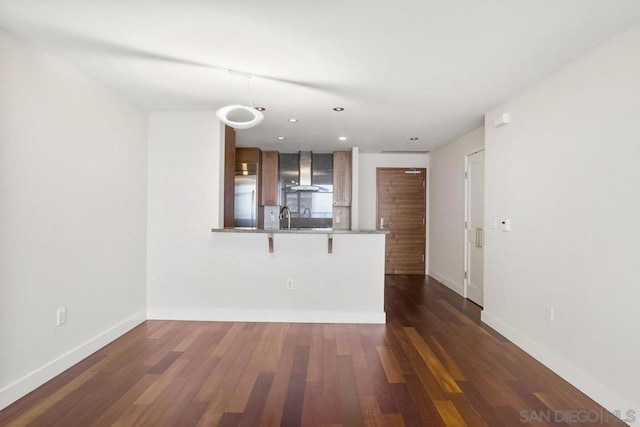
(501, 120)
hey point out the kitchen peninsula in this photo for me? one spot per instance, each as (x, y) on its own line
(230, 275)
(319, 276)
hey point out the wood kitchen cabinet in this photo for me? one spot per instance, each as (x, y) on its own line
(269, 177)
(248, 155)
(342, 178)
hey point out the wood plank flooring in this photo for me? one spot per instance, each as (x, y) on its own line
(432, 364)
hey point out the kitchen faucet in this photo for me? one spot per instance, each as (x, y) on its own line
(305, 211)
(286, 208)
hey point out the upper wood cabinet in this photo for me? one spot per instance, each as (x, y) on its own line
(248, 155)
(269, 177)
(342, 178)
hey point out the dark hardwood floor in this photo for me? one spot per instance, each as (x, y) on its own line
(432, 364)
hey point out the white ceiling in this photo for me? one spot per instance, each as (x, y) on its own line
(408, 68)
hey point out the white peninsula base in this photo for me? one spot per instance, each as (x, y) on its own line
(311, 277)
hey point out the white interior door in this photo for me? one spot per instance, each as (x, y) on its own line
(474, 268)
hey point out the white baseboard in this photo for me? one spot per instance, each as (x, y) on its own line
(35, 379)
(451, 284)
(204, 314)
(604, 396)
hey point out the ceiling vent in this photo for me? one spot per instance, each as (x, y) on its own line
(403, 152)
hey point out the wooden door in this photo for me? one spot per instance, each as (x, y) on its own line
(401, 207)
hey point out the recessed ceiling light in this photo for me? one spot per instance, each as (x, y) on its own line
(292, 120)
(342, 138)
(413, 138)
(338, 109)
(280, 138)
(260, 108)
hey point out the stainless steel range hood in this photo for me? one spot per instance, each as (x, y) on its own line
(306, 171)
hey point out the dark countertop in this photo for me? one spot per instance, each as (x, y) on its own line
(296, 231)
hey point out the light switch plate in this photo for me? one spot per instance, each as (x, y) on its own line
(549, 313)
(61, 316)
(505, 224)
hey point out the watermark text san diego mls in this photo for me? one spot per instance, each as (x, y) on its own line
(578, 416)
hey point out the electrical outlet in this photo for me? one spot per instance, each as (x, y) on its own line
(549, 313)
(289, 283)
(61, 316)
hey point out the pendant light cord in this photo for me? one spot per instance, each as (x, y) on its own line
(249, 92)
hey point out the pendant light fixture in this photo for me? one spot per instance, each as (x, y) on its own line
(240, 116)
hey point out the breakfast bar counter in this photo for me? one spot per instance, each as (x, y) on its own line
(296, 231)
(307, 276)
(323, 231)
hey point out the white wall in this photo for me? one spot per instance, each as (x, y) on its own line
(184, 195)
(367, 164)
(72, 217)
(447, 209)
(565, 171)
(196, 274)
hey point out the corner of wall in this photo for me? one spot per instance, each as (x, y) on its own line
(221, 172)
(449, 283)
(355, 165)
